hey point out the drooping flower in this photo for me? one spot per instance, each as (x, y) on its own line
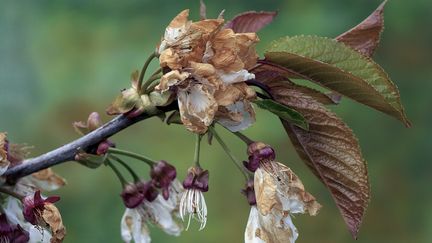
(192, 202)
(42, 212)
(279, 193)
(207, 68)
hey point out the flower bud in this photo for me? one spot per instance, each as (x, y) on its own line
(132, 196)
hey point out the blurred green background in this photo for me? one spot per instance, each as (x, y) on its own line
(60, 60)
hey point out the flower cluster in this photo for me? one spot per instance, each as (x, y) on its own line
(145, 204)
(278, 194)
(28, 217)
(206, 65)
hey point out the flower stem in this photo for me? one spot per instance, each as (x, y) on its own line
(11, 193)
(197, 150)
(117, 172)
(127, 167)
(149, 82)
(243, 137)
(228, 152)
(144, 69)
(143, 158)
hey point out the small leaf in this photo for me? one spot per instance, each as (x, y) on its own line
(250, 21)
(339, 68)
(284, 112)
(330, 149)
(365, 36)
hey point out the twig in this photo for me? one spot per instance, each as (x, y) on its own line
(67, 152)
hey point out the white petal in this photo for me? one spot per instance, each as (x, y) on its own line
(235, 77)
(133, 227)
(160, 213)
(247, 116)
(253, 227)
(193, 205)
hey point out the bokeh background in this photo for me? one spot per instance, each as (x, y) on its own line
(60, 60)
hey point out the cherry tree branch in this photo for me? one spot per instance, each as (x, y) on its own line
(68, 151)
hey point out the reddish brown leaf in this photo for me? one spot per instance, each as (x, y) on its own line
(250, 21)
(330, 150)
(365, 36)
(264, 75)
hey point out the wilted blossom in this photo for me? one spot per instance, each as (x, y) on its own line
(279, 193)
(158, 211)
(12, 233)
(42, 212)
(206, 66)
(192, 202)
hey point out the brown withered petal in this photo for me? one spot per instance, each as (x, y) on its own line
(265, 191)
(4, 163)
(202, 69)
(52, 218)
(171, 78)
(247, 53)
(250, 21)
(197, 108)
(170, 58)
(225, 48)
(330, 150)
(365, 36)
(47, 180)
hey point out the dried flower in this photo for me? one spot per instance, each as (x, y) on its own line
(208, 68)
(192, 201)
(42, 212)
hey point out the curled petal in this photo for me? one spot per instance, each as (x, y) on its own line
(170, 79)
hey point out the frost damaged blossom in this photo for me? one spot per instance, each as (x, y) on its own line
(4, 163)
(207, 65)
(192, 201)
(158, 211)
(42, 212)
(279, 193)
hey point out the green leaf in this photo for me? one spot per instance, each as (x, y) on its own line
(330, 149)
(338, 67)
(284, 112)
